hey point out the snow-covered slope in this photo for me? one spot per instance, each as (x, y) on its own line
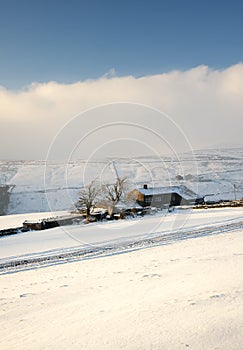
(54, 186)
(116, 234)
(186, 295)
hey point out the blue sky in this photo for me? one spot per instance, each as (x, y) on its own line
(67, 41)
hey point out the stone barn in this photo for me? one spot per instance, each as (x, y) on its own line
(162, 197)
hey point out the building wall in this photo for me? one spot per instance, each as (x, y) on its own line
(161, 200)
(4, 198)
(165, 199)
(136, 196)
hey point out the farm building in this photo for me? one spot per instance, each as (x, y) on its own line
(4, 197)
(166, 196)
(44, 224)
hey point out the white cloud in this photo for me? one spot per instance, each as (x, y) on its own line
(207, 104)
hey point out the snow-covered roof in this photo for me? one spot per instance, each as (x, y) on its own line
(183, 191)
(97, 210)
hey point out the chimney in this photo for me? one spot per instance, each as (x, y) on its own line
(145, 186)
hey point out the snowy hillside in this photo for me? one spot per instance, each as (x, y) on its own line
(40, 187)
(193, 275)
(116, 235)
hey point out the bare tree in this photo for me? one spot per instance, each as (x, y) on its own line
(87, 198)
(113, 193)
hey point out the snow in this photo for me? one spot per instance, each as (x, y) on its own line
(14, 221)
(181, 190)
(185, 295)
(177, 293)
(41, 186)
(118, 232)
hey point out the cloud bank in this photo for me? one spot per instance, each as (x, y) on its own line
(207, 104)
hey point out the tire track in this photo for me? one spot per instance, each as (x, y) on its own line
(111, 248)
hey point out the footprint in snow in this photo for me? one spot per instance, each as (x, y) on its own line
(25, 295)
(152, 275)
(216, 296)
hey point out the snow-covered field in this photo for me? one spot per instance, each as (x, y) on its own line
(167, 281)
(113, 234)
(41, 186)
(184, 295)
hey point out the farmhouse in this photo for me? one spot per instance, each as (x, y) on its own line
(165, 196)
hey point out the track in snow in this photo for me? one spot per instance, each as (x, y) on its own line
(111, 248)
